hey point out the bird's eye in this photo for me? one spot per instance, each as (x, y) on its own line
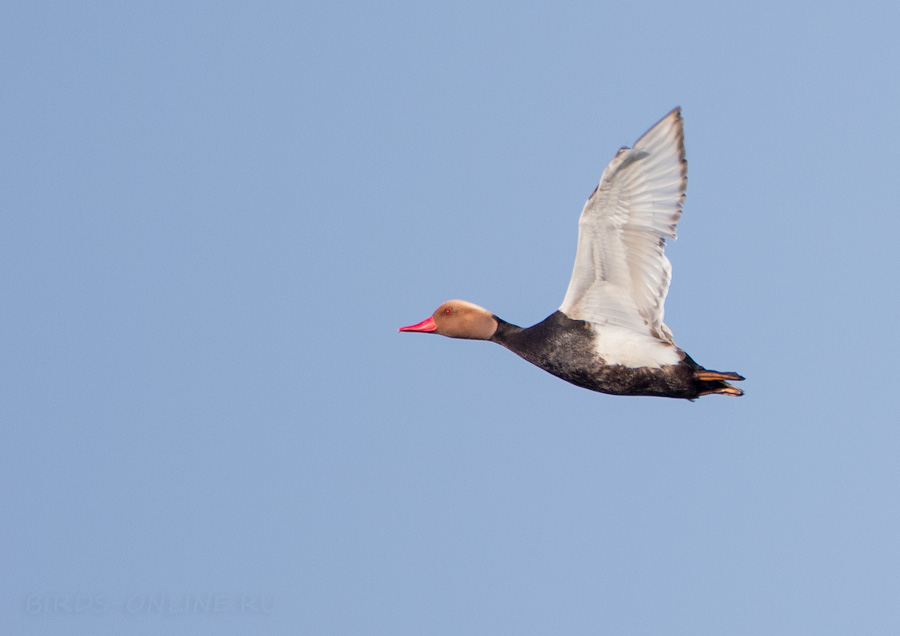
(448, 311)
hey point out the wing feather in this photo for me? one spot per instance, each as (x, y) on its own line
(621, 274)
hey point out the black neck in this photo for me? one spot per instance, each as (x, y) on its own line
(505, 331)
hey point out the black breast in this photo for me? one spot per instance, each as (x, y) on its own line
(565, 348)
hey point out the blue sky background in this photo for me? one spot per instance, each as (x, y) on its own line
(215, 216)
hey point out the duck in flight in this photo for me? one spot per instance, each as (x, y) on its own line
(608, 335)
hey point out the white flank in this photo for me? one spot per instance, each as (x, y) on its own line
(620, 345)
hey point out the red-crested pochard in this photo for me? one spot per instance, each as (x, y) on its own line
(608, 335)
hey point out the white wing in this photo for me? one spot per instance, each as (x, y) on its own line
(621, 273)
